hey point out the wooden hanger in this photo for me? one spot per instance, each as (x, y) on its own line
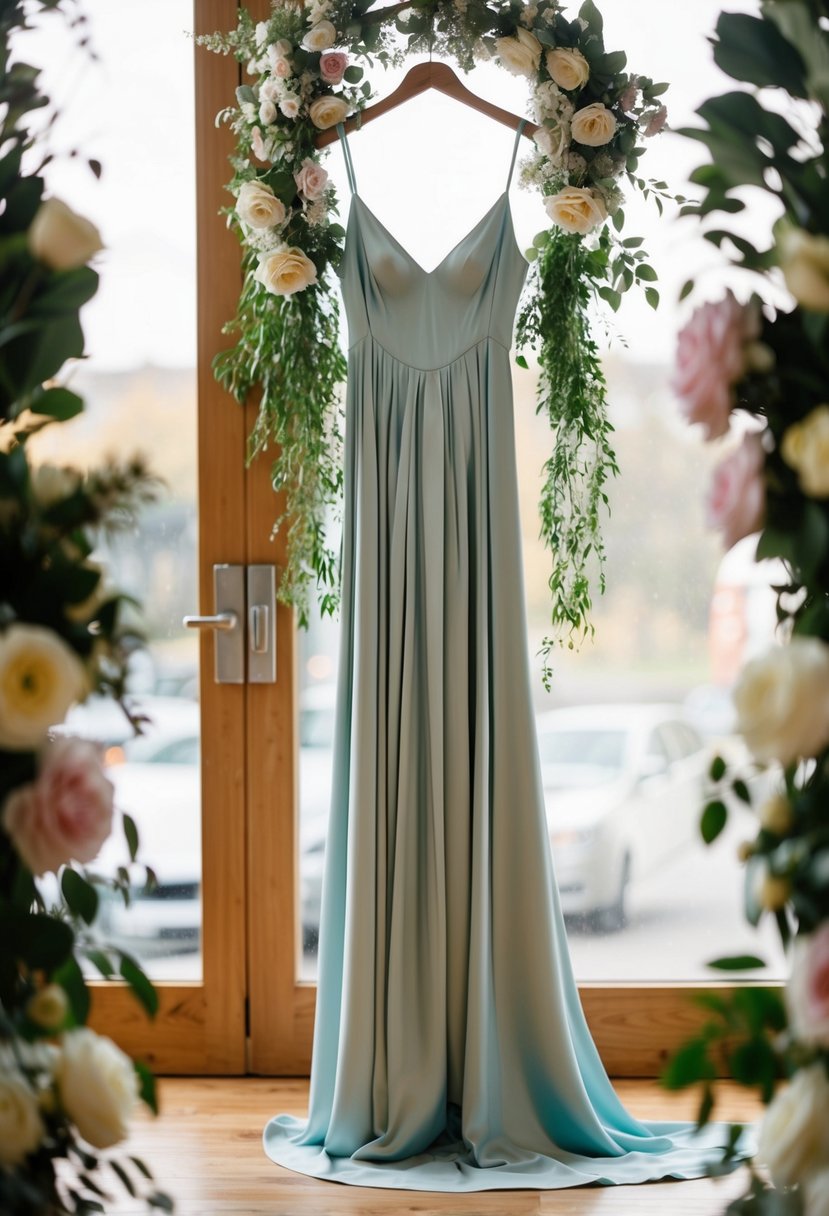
(417, 80)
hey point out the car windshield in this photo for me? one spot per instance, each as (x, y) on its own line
(581, 757)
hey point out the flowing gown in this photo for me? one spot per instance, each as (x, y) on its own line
(450, 1048)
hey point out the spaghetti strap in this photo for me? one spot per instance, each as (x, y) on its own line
(521, 126)
(349, 164)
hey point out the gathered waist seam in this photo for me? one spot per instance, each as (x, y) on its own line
(440, 366)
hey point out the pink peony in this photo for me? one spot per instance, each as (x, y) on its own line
(656, 122)
(737, 498)
(66, 813)
(711, 357)
(807, 994)
(311, 179)
(332, 66)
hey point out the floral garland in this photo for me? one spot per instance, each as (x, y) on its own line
(306, 62)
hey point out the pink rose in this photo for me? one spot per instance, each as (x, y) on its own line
(656, 122)
(807, 994)
(711, 357)
(282, 69)
(737, 498)
(66, 813)
(332, 66)
(311, 179)
(257, 143)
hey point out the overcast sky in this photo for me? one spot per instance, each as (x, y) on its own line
(429, 170)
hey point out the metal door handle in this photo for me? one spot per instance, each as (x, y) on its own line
(242, 596)
(222, 620)
(258, 626)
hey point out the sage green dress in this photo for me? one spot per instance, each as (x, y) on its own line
(450, 1048)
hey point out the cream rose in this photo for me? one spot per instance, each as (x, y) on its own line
(553, 141)
(40, 678)
(569, 69)
(282, 69)
(66, 813)
(311, 179)
(775, 815)
(782, 701)
(321, 37)
(807, 993)
(327, 111)
(48, 1007)
(21, 1127)
(804, 260)
(794, 1137)
(60, 238)
(289, 105)
(267, 113)
(576, 209)
(805, 448)
(520, 55)
(52, 484)
(258, 206)
(286, 271)
(593, 125)
(98, 1087)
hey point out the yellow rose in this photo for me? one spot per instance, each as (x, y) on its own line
(258, 206)
(520, 55)
(321, 37)
(805, 448)
(287, 271)
(40, 678)
(782, 701)
(593, 125)
(576, 209)
(804, 260)
(48, 1007)
(60, 238)
(794, 1137)
(569, 69)
(327, 111)
(98, 1087)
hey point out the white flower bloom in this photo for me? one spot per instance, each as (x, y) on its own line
(261, 33)
(805, 448)
(40, 678)
(258, 206)
(321, 37)
(53, 483)
(782, 701)
(269, 90)
(576, 209)
(287, 271)
(48, 1007)
(804, 260)
(815, 1188)
(520, 54)
(568, 68)
(98, 1087)
(594, 125)
(21, 1127)
(327, 111)
(553, 142)
(248, 111)
(60, 238)
(289, 105)
(794, 1137)
(267, 113)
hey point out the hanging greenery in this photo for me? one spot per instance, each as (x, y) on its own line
(307, 64)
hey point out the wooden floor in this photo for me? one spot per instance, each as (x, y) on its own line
(206, 1151)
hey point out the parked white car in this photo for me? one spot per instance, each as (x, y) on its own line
(623, 788)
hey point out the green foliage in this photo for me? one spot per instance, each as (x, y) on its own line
(555, 320)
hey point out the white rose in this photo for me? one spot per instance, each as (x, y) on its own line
(794, 1137)
(40, 678)
(286, 271)
(48, 1007)
(261, 33)
(805, 448)
(289, 105)
(282, 69)
(257, 145)
(520, 55)
(569, 69)
(320, 37)
(60, 238)
(267, 113)
(52, 484)
(807, 992)
(815, 1189)
(553, 141)
(576, 209)
(327, 111)
(248, 111)
(804, 260)
(282, 48)
(269, 90)
(311, 179)
(782, 701)
(21, 1127)
(593, 125)
(98, 1087)
(258, 206)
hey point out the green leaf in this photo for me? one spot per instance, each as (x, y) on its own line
(58, 403)
(71, 979)
(353, 74)
(743, 115)
(126, 1181)
(522, 362)
(742, 791)
(718, 769)
(146, 1089)
(65, 291)
(706, 1106)
(140, 984)
(753, 50)
(689, 1065)
(40, 941)
(652, 296)
(101, 962)
(714, 819)
(131, 834)
(611, 297)
(737, 962)
(142, 1168)
(687, 288)
(589, 13)
(81, 897)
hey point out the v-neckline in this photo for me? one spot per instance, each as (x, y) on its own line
(428, 274)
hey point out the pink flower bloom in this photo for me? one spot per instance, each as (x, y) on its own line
(737, 498)
(711, 357)
(282, 69)
(257, 143)
(807, 994)
(66, 813)
(332, 66)
(656, 122)
(311, 179)
(628, 99)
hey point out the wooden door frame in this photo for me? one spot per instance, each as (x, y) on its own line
(200, 1027)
